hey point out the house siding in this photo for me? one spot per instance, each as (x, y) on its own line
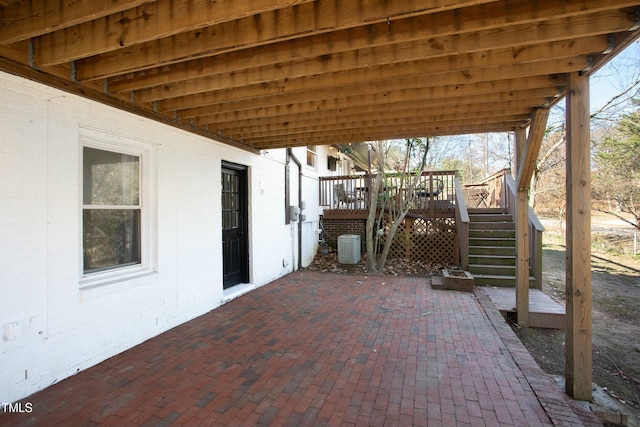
(52, 326)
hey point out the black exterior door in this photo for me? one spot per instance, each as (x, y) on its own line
(235, 256)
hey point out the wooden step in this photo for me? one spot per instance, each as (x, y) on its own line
(494, 280)
(492, 250)
(499, 281)
(492, 225)
(492, 241)
(492, 259)
(487, 210)
(492, 233)
(492, 270)
(490, 218)
(543, 311)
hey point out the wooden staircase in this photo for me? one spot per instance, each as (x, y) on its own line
(492, 247)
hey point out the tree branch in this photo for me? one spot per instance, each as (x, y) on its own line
(620, 217)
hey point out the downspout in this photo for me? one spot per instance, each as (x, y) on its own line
(290, 155)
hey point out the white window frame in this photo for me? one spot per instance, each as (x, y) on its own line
(313, 151)
(148, 206)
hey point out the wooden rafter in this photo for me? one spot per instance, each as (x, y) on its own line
(345, 33)
(257, 67)
(462, 68)
(296, 72)
(25, 20)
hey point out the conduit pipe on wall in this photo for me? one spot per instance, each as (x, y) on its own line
(292, 156)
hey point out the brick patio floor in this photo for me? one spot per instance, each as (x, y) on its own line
(318, 349)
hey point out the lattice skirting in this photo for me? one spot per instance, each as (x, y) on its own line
(417, 239)
(427, 240)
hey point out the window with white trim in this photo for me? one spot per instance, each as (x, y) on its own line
(111, 210)
(116, 234)
(311, 156)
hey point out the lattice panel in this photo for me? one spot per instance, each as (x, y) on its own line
(426, 240)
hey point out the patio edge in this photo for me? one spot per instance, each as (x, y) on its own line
(561, 410)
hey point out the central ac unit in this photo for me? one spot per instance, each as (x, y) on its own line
(349, 249)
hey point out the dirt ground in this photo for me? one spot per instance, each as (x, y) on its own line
(615, 300)
(616, 310)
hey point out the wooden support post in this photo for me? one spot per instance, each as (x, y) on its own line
(522, 238)
(578, 369)
(527, 164)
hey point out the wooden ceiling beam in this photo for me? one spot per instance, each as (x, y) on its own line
(403, 91)
(251, 32)
(352, 114)
(424, 131)
(258, 94)
(463, 63)
(401, 123)
(294, 112)
(166, 18)
(514, 37)
(346, 71)
(150, 21)
(279, 26)
(27, 19)
(618, 43)
(340, 123)
(327, 141)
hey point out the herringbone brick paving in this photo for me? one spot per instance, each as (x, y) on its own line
(310, 349)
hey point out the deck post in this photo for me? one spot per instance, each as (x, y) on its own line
(578, 369)
(522, 238)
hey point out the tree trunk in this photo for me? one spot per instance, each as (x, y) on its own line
(398, 207)
(388, 241)
(371, 231)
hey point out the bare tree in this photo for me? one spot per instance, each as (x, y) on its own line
(389, 205)
(548, 186)
(548, 180)
(617, 172)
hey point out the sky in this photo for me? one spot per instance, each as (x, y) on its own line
(609, 81)
(606, 83)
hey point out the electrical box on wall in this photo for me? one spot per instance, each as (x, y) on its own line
(13, 330)
(294, 211)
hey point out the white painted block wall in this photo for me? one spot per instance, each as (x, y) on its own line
(51, 328)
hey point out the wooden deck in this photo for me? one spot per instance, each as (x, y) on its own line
(543, 311)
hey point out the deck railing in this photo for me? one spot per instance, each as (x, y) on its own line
(499, 191)
(352, 192)
(488, 192)
(535, 229)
